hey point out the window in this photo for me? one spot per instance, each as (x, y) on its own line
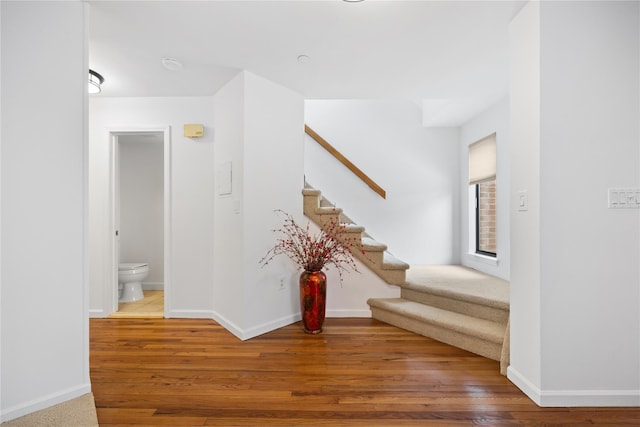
(486, 218)
(482, 180)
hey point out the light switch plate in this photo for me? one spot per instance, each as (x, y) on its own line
(624, 198)
(523, 200)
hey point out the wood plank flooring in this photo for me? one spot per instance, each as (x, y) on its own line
(358, 372)
(152, 305)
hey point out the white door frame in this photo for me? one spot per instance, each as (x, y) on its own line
(111, 276)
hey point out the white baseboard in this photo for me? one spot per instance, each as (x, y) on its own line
(588, 398)
(240, 333)
(189, 314)
(153, 286)
(263, 328)
(270, 326)
(348, 313)
(574, 398)
(209, 314)
(44, 402)
(229, 325)
(97, 313)
(527, 387)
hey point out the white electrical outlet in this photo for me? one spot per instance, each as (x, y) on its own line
(624, 198)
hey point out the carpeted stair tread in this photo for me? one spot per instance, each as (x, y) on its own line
(459, 282)
(353, 228)
(308, 191)
(368, 244)
(484, 329)
(328, 210)
(392, 263)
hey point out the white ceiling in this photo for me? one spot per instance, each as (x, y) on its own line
(448, 53)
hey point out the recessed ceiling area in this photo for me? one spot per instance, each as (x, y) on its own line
(438, 51)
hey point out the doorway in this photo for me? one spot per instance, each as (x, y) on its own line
(140, 195)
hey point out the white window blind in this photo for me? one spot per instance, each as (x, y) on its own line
(482, 160)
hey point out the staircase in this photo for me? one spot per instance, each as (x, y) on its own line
(373, 254)
(453, 304)
(449, 303)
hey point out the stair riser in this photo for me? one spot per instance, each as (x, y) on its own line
(464, 307)
(326, 217)
(310, 203)
(470, 343)
(373, 257)
(392, 277)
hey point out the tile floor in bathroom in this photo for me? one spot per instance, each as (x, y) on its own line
(151, 306)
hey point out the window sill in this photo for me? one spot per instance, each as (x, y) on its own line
(485, 259)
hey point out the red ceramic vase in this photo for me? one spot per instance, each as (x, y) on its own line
(313, 293)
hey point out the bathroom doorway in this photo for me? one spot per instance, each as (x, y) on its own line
(140, 205)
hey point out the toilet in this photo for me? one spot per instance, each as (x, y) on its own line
(130, 276)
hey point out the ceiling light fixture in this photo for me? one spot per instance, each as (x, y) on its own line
(171, 64)
(95, 82)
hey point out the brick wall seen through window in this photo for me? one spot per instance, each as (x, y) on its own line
(486, 218)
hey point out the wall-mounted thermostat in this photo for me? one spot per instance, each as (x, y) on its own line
(194, 131)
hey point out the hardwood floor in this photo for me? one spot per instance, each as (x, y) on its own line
(358, 372)
(152, 305)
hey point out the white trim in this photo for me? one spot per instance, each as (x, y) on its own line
(242, 334)
(111, 276)
(97, 313)
(168, 221)
(207, 314)
(153, 286)
(348, 313)
(527, 387)
(1, 222)
(574, 398)
(588, 398)
(189, 314)
(86, 288)
(229, 325)
(269, 326)
(44, 402)
(484, 259)
(263, 328)
(110, 294)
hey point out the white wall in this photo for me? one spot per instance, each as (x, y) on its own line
(524, 110)
(1, 133)
(585, 302)
(493, 120)
(192, 197)
(44, 336)
(417, 167)
(273, 179)
(259, 129)
(588, 252)
(273, 152)
(228, 264)
(142, 205)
